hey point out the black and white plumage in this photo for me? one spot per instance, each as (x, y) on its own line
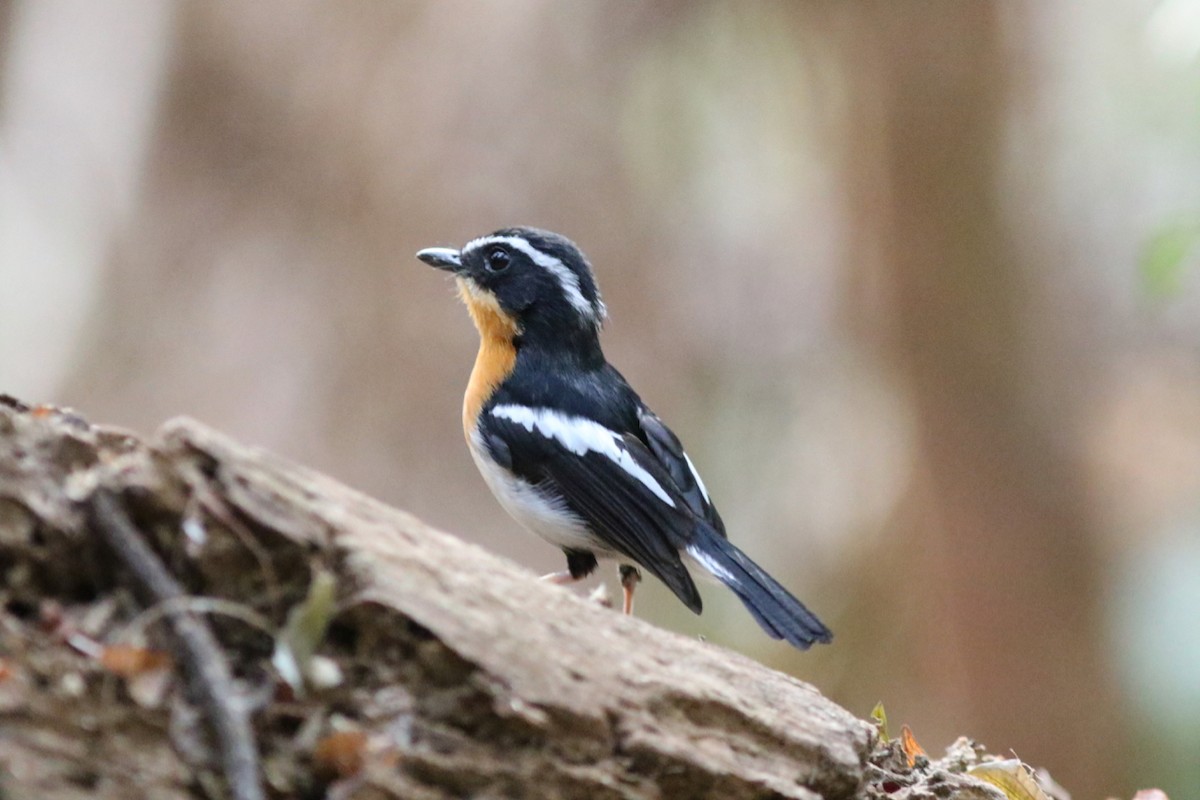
(571, 451)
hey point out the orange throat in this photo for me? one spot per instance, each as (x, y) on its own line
(497, 354)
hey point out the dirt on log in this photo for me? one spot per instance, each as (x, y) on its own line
(190, 617)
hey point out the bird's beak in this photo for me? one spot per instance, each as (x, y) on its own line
(441, 257)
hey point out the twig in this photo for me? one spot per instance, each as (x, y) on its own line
(204, 662)
(194, 605)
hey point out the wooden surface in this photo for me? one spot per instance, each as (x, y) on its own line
(463, 674)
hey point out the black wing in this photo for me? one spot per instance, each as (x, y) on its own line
(610, 479)
(641, 498)
(667, 448)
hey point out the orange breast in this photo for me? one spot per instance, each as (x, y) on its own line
(497, 355)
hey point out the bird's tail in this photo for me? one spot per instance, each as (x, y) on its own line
(779, 613)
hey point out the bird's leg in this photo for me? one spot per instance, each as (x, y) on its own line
(580, 564)
(630, 578)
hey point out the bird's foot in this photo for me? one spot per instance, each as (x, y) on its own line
(630, 578)
(563, 578)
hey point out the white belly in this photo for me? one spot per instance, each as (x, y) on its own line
(535, 509)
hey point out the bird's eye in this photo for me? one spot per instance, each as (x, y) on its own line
(496, 259)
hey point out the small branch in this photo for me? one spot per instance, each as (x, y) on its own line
(204, 662)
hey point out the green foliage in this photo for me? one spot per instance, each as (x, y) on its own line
(880, 717)
(1166, 257)
(296, 645)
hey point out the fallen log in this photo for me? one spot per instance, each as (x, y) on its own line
(353, 650)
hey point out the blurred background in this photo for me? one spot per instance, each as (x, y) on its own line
(915, 282)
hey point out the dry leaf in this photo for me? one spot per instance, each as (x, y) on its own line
(129, 661)
(1011, 777)
(341, 753)
(909, 743)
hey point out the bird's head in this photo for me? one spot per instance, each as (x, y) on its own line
(535, 282)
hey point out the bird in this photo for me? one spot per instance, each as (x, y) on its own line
(569, 449)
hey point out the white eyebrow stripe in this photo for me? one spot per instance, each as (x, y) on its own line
(581, 435)
(567, 279)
